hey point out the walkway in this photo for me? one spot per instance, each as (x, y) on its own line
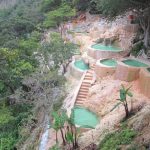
(85, 86)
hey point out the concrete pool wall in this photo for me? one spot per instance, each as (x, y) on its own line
(105, 67)
(128, 69)
(105, 53)
(144, 81)
(75, 70)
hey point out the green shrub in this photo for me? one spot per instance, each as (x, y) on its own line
(136, 49)
(122, 137)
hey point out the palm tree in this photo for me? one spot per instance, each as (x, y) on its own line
(59, 121)
(123, 99)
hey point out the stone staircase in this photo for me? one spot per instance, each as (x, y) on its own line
(84, 88)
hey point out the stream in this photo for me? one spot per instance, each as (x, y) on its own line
(45, 135)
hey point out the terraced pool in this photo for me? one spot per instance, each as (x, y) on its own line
(85, 118)
(103, 47)
(134, 63)
(109, 62)
(81, 65)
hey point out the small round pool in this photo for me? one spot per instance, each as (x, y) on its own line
(103, 47)
(85, 118)
(134, 63)
(81, 65)
(109, 62)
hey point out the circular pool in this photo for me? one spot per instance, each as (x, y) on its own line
(105, 67)
(99, 51)
(134, 63)
(103, 47)
(80, 64)
(109, 62)
(84, 118)
(128, 69)
(77, 68)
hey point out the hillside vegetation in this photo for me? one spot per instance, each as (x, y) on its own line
(29, 92)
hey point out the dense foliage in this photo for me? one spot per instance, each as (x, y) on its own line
(22, 24)
(12, 118)
(115, 140)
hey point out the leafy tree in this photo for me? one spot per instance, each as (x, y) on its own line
(58, 51)
(57, 16)
(111, 7)
(123, 99)
(49, 5)
(12, 69)
(81, 5)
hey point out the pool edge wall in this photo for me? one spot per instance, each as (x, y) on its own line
(99, 54)
(144, 82)
(127, 73)
(103, 70)
(74, 71)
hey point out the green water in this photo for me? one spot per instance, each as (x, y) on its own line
(109, 62)
(106, 48)
(134, 63)
(148, 69)
(81, 65)
(85, 118)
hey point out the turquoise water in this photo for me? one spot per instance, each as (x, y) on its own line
(134, 63)
(109, 62)
(104, 47)
(81, 65)
(85, 118)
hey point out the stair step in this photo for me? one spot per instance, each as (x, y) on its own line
(84, 90)
(88, 77)
(80, 99)
(80, 104)
(90, 72)
(82, 93)
(86, 83)
(82, 96)
(85, 87)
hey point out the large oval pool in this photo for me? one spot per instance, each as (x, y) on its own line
(103, 47)
(109, 62)
(85, 118)
(80, 64)
(134, 63)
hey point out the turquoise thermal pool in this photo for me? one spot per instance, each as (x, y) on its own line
(134, 63)
(81, 65)
(109, 62)
(103, 47)
(85, 118)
